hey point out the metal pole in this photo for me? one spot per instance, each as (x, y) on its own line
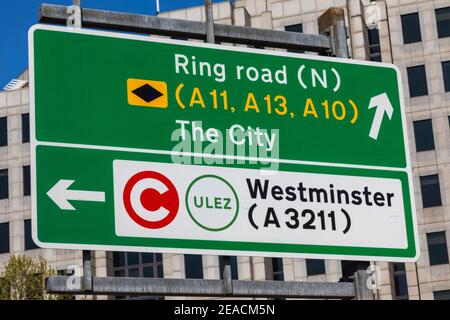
(209, 22)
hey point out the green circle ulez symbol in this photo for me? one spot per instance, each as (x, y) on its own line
(212, 203)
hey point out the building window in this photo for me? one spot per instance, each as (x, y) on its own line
(411, 28)
(350, 267)
(295, 28)
(443, 22)
(446, 75)
(3, 132)
(4, 184)
(442, 295)
(234, 267)
(417, 81)
(4, 237)
(315, 266)
(400, 282)
(437, 248)
(135, 264)
(277, 269)
(29, 243)
(193, 266)
(423, 133)
(26, 181)
(25, 127)
(374, 44)
(431, 193)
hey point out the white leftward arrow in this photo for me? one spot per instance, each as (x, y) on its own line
(60, 194)
(383, 105)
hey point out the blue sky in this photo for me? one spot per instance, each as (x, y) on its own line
(17, 16)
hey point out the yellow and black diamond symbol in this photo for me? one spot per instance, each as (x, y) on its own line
(147, 93)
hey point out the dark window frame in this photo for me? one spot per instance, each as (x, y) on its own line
(128, 268)
(441, 295)
(298, 27)
(29, 242)
(234, 267)
(399, 277)
(191, 267)
(4, 189)
(25, 127)
(315, 267)
(277, 269)
(26, 180)
(5, 245)
(3, 131)
(411, 28)
(374, 44)
(446, 75)
(349, 267)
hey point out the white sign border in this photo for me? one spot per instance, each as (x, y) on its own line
(34, 143)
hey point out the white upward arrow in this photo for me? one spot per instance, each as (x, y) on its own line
(383, 105)
(60, 194)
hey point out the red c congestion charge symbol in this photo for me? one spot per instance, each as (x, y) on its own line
(152, 200)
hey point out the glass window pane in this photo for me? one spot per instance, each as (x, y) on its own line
(417, 81)
(401, 286)
(4, 237)
(442, 295)
(431, 193)
(132, 258)
(29, 243)
(350, 267)
(234, 267)
(399, 267)
(443, 22)
(193, 266)
(374, 44)
(25, 127)
(400, 281)
(423, 133)
(446, 74)
(315, 266)
(133, 272)
(295, 28)
(411, 28)
(118, 259)
(4, 184)
(148, 272)
(26, 181)
(437, 248)
(3, 132)
(147, 257)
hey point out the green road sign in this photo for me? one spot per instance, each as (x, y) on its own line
(144, 144)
